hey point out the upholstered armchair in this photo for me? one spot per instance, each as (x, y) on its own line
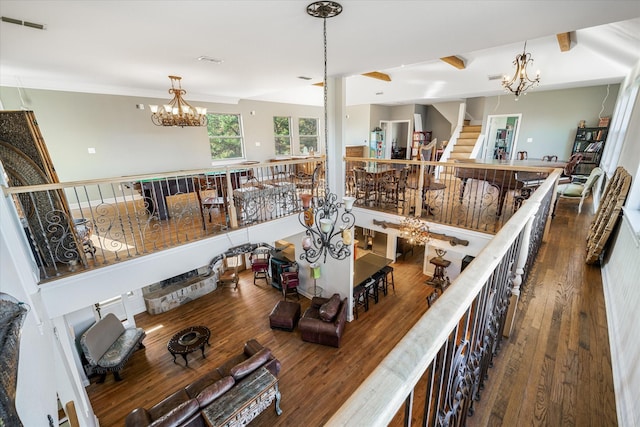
(324, 321)
(579, 190)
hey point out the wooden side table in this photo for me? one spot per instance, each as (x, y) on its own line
(440, 280)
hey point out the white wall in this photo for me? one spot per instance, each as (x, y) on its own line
(38, 360)
(127, 142)
(551, 118)
(357, 125)
(621, 270)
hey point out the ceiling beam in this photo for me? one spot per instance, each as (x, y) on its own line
(378, 75)
(564, 41)
(454, 61)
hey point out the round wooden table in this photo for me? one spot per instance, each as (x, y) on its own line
(187, 341)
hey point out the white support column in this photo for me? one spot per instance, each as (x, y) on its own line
(523, 253)
(231, 207)
(336, 110)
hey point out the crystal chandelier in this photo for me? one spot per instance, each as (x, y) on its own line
(521, 82)
(415, 231)
(178, 112)
(320, 215)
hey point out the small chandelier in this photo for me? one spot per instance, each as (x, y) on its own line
(415, 231)
(178, 112)
(521, 82)
(320, 214)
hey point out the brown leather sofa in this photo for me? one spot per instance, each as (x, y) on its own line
(324, 321)
(183, 408)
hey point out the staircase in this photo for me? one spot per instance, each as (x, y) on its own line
(466, 141)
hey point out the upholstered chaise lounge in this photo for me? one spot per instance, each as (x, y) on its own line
(107, 345)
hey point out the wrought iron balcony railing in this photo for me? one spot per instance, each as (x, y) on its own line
(81, 225)
(472, 195)
(436, 373)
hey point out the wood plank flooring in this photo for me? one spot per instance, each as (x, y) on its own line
(554, 370)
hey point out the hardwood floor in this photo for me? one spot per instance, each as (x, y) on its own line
(554, 370)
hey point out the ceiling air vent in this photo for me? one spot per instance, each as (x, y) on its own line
(495, 77)
(23, 23)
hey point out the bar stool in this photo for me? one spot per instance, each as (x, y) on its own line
(371, 289)
(360, 299)
(380, 278)
(386, 270)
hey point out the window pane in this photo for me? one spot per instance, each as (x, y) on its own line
(308, 127)
(282, 132)
(308, 131)
(225, 136)
(283, 146)
(281, 126)
(308, 142)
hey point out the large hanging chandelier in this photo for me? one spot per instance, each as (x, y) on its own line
(328, 229)
(178, 112)
(415, 231)
(521, 82)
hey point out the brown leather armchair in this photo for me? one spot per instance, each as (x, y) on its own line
(324, 321)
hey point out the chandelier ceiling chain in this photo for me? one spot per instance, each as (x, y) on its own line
(521, 82)
(178, 112)
(324, 236)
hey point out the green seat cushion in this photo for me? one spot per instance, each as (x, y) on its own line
(570, 190)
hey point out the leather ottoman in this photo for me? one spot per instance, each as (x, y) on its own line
(285, 315)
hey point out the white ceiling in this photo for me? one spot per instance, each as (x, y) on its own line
(130, 47)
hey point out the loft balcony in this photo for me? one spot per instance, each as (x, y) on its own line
(148, 216)
(79, 226)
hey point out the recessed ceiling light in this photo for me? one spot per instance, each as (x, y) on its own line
(210, 59)
(304, 78)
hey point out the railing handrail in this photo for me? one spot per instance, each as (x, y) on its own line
(380, 396)
(458, 164)
(141, 177)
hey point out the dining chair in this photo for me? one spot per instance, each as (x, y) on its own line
(575, 189)
(570, 168)
(259, 259)
(550, 158)
(522, 155)
(387, 186)
(365, 185)
(289, 281)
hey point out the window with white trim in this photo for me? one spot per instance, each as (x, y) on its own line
(225, 136)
